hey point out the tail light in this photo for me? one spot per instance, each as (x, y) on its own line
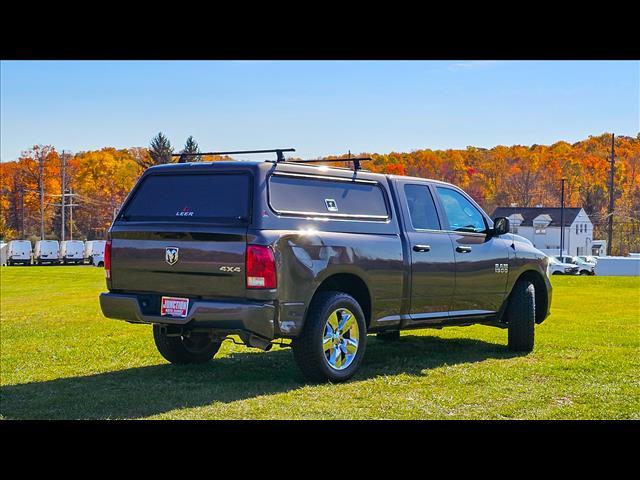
(107, 259)
(260, 267)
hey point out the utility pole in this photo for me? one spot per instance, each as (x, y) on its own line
(71, 205)
(22, 212)
(67, 193)
(611, 197)
(41, 182)
(562, 217)
(63, 185)
(71, 217)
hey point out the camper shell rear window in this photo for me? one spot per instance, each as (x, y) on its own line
(191, 197)
(301, 195)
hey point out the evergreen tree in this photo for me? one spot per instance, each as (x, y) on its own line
(191, 146)
(160, 149)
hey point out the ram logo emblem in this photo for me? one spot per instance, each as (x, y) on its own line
(171, 255)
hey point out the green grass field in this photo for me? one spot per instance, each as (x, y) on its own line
(60, 358)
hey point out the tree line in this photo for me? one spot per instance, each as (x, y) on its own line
(98, 181)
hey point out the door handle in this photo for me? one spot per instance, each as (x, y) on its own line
(461, 249)
(421, 248)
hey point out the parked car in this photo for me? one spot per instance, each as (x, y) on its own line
(584, 267)
(19, 252)
(4, 248)
(588, 258)
(72, 251)
(94, 248)
(556, 267)
(97, 260)
(47, 251)
(317, 255)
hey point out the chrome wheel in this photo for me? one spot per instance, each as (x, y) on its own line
(340, 340)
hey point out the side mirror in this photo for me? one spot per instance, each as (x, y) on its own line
(500, 226)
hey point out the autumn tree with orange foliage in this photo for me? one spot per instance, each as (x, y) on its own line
(500, 176)
(530, 176)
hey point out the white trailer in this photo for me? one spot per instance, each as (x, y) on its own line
(618, 266)
(94, 249)
(72, 251)
(19, 252)
(46, 251)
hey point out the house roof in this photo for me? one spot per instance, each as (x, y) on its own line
(529, 214)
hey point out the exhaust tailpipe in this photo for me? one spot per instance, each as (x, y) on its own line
(254, 341)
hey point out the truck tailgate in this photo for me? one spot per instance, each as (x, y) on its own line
(206, 264)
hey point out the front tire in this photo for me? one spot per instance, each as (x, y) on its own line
(333, 341)
(521, 316)
(196, 348)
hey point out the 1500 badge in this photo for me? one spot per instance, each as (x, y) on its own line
(502, 268)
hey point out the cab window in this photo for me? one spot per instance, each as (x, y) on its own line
(422, 209)
(462, 215)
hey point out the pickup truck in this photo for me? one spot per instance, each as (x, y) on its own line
(583, 267)
(313, 257)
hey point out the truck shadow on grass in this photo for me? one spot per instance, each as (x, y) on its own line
(144, 391)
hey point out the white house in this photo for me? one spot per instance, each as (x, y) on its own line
(542, 226)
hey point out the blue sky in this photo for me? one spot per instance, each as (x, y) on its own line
(318, 107)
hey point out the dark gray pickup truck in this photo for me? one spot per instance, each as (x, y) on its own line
(319, 255)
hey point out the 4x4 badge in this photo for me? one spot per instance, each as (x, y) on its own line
(171, 255)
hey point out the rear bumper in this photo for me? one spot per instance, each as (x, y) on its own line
(73, 259)
(251, 317)
(24, 261)
(48, 259)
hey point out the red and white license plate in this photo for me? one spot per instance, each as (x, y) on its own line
(174, 307)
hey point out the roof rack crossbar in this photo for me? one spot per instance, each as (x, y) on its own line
(277, 151)
(356, 161)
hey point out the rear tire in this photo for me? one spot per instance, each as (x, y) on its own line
(331, 355)
(521, 316)
(197, 348)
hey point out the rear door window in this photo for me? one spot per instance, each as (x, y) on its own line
(422, 208)
(331, 198)
(191, 197)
